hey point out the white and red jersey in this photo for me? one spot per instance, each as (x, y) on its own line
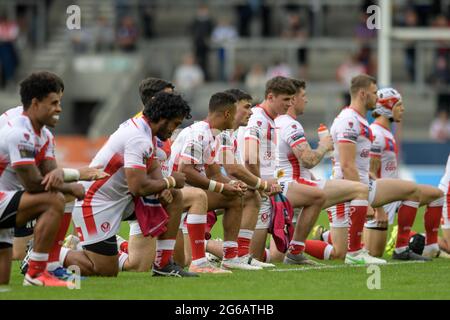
(10, 114)
(351, 127)
(130, 146)
(197, 145)
(290, 134)
(385, 148)
(21, 145)
(261, 128)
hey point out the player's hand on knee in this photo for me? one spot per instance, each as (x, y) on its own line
(180, 179)
(230, 190)
(77, 190)
(165, 197)
(53, 180)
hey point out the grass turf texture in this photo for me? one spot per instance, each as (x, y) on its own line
(400, 280)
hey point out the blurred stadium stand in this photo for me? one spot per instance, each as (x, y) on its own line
(101, 84)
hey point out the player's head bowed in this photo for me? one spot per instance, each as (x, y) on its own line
(168, 110)
(389, 100)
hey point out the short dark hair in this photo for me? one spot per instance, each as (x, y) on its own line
(298, 84)
(39, 85)
(165, 105)
(362, 81)
(151, 86)
(220, 101)
(239, 94)
(280, 85)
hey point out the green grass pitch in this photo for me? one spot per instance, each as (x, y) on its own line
(334, 281)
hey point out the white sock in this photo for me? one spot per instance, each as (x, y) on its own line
(63, 254)
(122, 258)
(327, 253)
(199, 261)
(37, 256)
(400, 250)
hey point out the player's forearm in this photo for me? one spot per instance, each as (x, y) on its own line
(374, 167)
(149, 187)
(194, 178)
(241, 173)
(253, 168)
(311, 158)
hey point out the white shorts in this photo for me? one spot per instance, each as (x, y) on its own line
(445, 223)
(372, 190)
(264, 214)
(313, 183)
(135, 229)
(5, 199)
(104, 221)
(7, 236)
(390, 209)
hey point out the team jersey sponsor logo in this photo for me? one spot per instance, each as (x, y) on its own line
(375, 149)
(391, 166)
(365, 153)
(350, 135)
(297, 136)
(26, 151)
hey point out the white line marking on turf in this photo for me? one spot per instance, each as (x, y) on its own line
(342, 266)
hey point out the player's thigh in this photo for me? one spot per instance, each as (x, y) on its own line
(258, 243)
(341, 190)
(32, 205)
(339, 237)
(390, 190)
(429, 194)
(219, 201)
(301, 195)
(194, 197)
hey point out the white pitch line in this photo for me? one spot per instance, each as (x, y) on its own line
(342, 266)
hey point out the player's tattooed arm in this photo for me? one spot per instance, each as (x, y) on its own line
(307, 156)
(375, 165)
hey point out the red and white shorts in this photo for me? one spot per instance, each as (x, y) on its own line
(100, 220)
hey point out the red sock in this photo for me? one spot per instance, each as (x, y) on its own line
(318, 249)
(164, 251)
(56, 249)
(358, 212)
(230, 249)
(406, 215)
(243, 240)
(196, 228)
(296, 247)
(37, 264)
(432, 221)
(124, 247)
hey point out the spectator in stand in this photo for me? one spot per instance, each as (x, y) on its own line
(127, 35)
(103, 35)
(255, 81)
(440, 127)
(297, 30)
(9, 59)
(223, 33)
(188, 76)
(147, 10)
(279, 68)
(201, 30)
(410, 20)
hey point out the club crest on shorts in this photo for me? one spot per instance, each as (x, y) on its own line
(105, 227)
